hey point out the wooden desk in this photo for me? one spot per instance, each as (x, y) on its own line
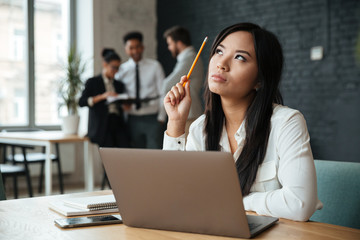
(46, 139)
(30, 218)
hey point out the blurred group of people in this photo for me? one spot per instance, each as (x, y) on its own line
(138, 123)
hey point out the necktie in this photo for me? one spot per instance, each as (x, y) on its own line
(138, 102)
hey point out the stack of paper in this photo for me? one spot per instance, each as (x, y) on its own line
(85, 205)
(119, 97)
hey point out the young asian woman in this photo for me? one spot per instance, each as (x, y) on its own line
(244, 115)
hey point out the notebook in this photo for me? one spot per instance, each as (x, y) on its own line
(92, 203)
(60, 207)
(196, 192)
(124, 98)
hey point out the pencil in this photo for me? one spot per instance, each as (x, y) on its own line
(195, 60)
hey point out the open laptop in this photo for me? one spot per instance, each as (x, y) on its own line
(196, 192)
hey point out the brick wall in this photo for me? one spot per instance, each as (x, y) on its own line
(327, 92)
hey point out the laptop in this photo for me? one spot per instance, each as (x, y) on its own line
(197, 192)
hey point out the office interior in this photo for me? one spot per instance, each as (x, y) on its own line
(320, 40)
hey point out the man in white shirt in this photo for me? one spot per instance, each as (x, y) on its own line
(143, 81)
(179, 44)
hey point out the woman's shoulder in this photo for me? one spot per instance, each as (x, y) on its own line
(284, 112)
(97, 78)
(284, 115)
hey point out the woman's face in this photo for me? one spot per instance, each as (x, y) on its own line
(111, 68)
(233, 68)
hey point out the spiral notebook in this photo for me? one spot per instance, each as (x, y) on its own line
(92, 203)
(60, 207)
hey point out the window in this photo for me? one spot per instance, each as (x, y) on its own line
(29, 76)
(51, 34)
(19, 105)
(14, 88)
(18, 49)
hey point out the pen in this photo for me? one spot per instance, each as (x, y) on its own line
(195, 60)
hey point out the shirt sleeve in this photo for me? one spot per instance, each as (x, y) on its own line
(195, 141)
(86, 94)
(90, 101)
(171, 143)
(297, 199)
(119, 75)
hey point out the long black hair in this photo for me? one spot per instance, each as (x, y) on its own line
(257, 124)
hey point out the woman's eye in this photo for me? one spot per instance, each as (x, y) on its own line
(218, 51)
(239, 57)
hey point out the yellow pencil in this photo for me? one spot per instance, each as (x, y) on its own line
(195, 60)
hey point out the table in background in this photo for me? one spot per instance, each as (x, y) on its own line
(46, 139)
(30, 218)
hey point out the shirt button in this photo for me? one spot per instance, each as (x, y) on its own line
(179, 142)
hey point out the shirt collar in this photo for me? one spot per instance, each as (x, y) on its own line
(224, 141)
(239, 136)
(240, 133)
(134, 63)
(182, 55)
(106, 80)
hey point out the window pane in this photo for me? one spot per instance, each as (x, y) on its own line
(51, 31)
(13, 80)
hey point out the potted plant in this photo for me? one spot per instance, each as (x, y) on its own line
(69, 89)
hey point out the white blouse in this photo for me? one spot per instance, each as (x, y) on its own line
(285, 185)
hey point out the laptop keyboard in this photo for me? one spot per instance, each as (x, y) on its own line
(252, 226)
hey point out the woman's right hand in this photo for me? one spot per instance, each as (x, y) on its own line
(177, 104)
(103, 96)
(109, 94)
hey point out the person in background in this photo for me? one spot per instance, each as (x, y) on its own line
(179, 44)
(107, 127)
(244, 116)
(105, 51)
(143, 79)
